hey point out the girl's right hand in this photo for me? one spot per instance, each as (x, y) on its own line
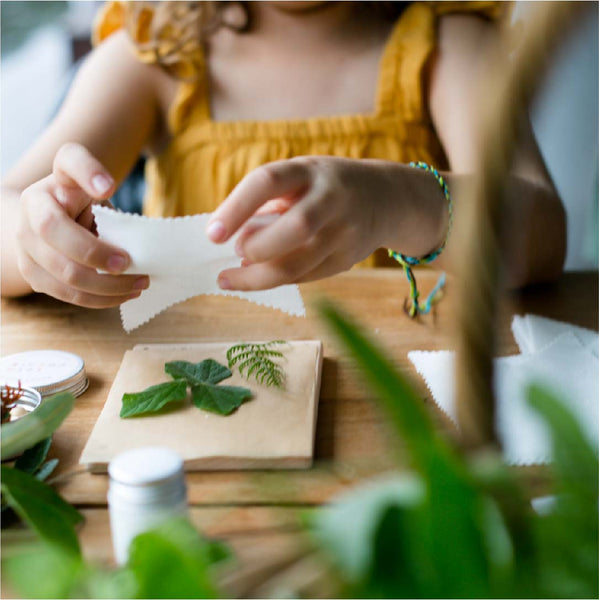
(59, 251)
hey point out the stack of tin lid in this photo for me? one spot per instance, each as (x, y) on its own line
(47, 371)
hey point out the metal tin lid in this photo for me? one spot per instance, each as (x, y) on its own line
(26, 401)
(48, 371)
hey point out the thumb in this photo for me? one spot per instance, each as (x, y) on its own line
(79, 179)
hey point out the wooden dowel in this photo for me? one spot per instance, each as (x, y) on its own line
(506, 98)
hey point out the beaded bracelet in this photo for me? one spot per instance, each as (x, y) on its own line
(407, 262)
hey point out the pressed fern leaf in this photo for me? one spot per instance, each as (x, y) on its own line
(258, 361)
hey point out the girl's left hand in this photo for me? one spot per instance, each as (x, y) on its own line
(328, 220)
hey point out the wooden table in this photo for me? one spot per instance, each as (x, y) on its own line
(257, 512)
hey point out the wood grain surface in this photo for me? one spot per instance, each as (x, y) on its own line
(351, 441)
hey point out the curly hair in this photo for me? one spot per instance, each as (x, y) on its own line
(175, 30)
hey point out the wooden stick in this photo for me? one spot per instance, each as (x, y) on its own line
(504, 103)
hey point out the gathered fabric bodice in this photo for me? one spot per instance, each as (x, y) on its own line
(205, 159)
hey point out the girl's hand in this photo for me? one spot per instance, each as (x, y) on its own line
(58, 248)
(327, 221)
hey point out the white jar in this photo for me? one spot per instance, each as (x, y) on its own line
(147, 487)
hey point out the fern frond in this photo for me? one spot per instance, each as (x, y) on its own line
(256, 360)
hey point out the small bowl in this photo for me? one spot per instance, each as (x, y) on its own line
(29, 400)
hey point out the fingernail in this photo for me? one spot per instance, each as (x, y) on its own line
(239, 249)
(133, 296)
(224, 283)
(116, 263)
(101, 183)
(143, 283)
(216, 231)
(60, 195)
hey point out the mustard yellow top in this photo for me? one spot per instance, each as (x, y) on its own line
(205, 159)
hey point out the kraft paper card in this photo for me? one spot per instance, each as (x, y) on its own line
(273, 430)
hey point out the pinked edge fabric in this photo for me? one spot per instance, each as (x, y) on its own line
(565, 366)
(181, 262)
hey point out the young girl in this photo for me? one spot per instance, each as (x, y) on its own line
(306, 110)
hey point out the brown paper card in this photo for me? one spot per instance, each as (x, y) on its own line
(273, 430)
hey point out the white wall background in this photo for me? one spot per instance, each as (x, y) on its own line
(565, 120)
(32, 82)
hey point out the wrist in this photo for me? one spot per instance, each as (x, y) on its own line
(417, 210)
(410, 259)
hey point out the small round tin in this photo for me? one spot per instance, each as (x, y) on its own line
(48, 371)
(24, 401)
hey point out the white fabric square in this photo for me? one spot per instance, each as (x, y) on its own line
(181, 262)
(564, 366)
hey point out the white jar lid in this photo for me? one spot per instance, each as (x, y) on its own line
(150, 474)
(48, 371)
(145, 466)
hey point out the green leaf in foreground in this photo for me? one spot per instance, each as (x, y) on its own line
(32, 459)
(221, 399)
(37, 425)
(575, 457)
(207, 371)
(46, 469)
(153, 398)
(568, 535)
(406, 412)
(447, 479)
(42, 508)
(173, 561)
(43, 571)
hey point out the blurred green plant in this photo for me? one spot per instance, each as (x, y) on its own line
(171, 561)
(33, 460)
(21, 435)
(462, 527)
(23, 490)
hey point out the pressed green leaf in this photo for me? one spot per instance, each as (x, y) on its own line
(37, 425)
(207, 371)
(256, 360)
(32, 459)
(46, 469)
(173, 561)
(153, 398)
(41, 508)
(221, 399)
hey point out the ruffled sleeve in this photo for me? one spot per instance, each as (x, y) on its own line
(152, 47)
(116, 15)
(185, 64)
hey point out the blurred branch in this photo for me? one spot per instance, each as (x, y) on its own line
(505, 96)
